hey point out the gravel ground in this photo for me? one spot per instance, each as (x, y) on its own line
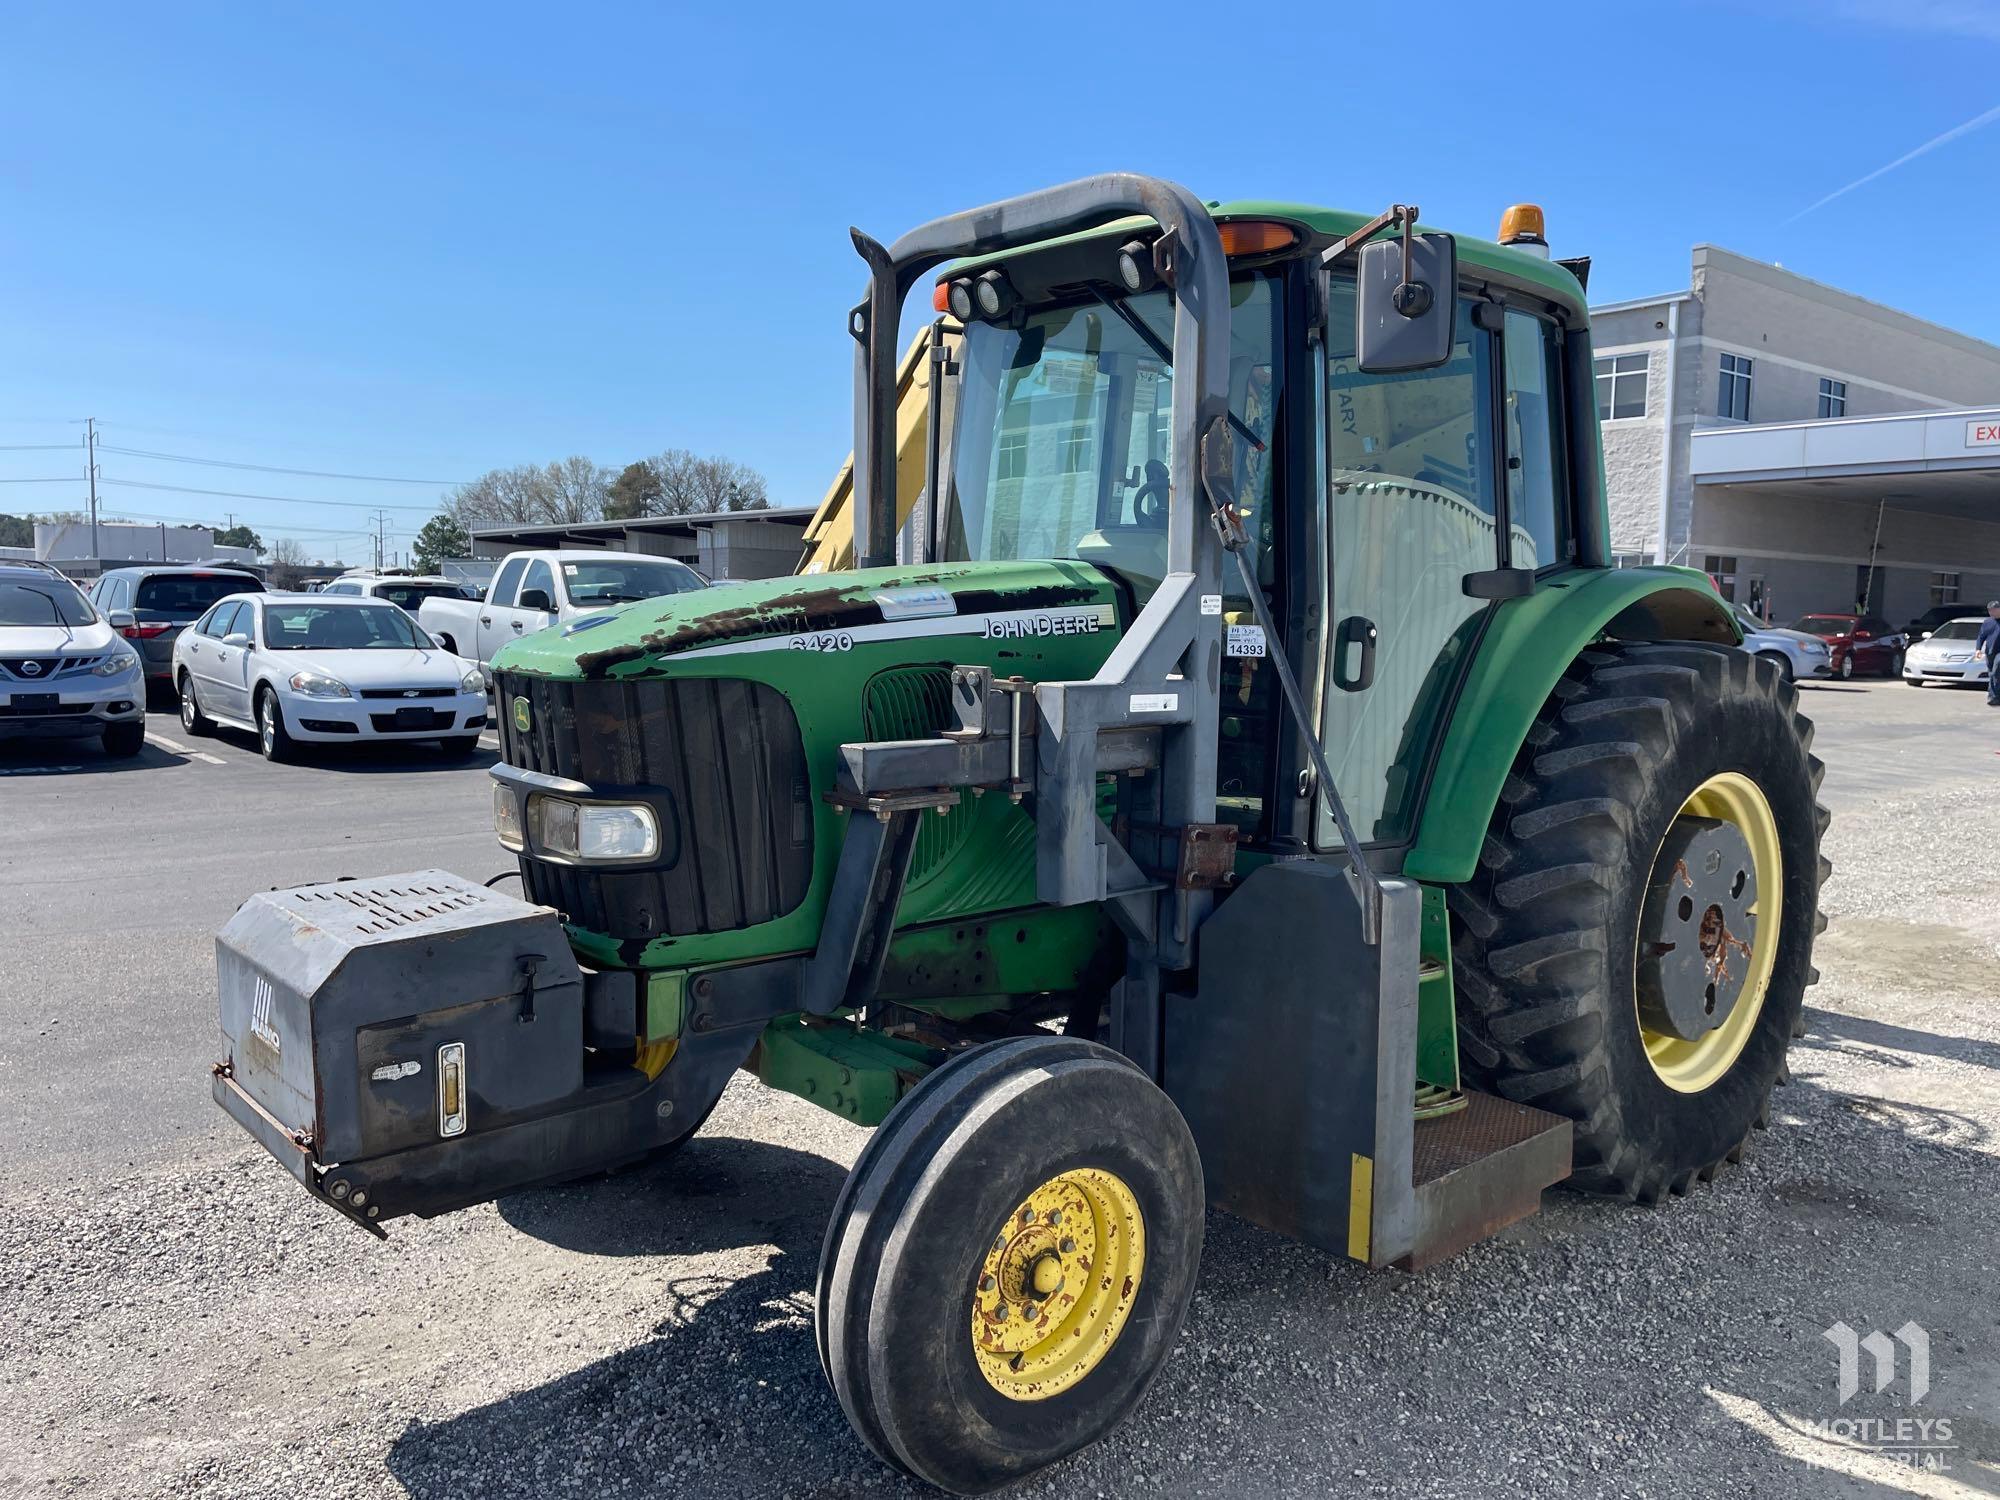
(177, 1319)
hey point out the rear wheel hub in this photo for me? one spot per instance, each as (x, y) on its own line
(1698, 928)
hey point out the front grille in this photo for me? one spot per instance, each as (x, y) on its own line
(914, 703)
(408, 692)
(728, 757)
(42, 668)
(409, 720)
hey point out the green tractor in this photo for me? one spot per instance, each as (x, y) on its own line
(1256, 789)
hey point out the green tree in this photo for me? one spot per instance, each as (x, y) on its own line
(635, 492)
(238, 536)
(440, 538)
(17, 531)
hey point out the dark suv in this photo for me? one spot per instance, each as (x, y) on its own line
(150, 605)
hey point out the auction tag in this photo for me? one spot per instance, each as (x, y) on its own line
(1211, 604)
(1155, 703)
(1245, 640)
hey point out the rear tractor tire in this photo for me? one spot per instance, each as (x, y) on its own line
(1010, 1261)
(1634, 950)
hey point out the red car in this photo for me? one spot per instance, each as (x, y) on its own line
(1860, 645)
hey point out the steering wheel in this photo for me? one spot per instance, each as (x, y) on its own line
(1149, 505)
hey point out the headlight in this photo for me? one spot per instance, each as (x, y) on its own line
(318, 685)
(507, 820)
(123, 660)
(472, 682)
(592, 831)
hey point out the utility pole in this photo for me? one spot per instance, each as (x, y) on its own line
(90, 471)
(381, 525)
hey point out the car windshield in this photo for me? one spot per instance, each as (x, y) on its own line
(1063, 436)
(43, 602)
(617, 580)
(340, 627)
(1824, 624)
(185, 595)
(1747, 620)
(1957, 630)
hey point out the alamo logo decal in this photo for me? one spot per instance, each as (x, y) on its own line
(522, 718)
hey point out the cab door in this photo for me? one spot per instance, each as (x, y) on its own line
(496, 615)
(1430, 477)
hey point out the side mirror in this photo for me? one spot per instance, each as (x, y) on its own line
(536, 599)
(1404, 322)
(121, 620)
(237, 638)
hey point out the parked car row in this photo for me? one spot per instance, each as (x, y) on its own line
(366, 657)
(1938, 646)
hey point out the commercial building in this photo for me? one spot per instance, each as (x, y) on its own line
(84, 551)
(1808, 448)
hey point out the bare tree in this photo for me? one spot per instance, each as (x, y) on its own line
(288, 562)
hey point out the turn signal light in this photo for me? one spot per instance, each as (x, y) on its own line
(1256, 236)
(941, 297)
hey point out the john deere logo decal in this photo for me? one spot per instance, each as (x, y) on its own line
(521, 719)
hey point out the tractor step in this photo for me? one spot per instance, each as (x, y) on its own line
(1479, 1169)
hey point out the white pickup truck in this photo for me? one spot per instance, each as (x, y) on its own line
(533, 590)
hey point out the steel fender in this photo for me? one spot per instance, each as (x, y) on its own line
(1524, 651)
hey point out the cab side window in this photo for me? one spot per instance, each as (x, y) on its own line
(504, 585)
(540, 577)
(1537, 476)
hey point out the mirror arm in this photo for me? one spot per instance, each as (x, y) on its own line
(1400, 215)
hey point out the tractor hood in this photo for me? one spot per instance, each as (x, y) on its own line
(831, 613)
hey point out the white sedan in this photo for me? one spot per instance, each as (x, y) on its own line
(1948, 654)
(294, 668)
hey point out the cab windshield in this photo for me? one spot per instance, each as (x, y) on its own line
(1063, 435)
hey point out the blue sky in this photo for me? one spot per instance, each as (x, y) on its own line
(426, 241)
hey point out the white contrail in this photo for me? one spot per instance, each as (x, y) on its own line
(1908, 156)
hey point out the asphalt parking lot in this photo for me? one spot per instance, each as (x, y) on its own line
(176, 1318)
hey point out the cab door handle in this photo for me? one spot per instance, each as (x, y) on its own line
(1354, 631)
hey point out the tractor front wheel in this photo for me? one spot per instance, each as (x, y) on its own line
(1635, 948)
(1009, 1263)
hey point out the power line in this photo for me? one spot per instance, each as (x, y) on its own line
(58, 479)
(182, 489)
(222, 463)
(37, 447)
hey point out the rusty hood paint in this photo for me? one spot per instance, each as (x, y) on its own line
(643, 638)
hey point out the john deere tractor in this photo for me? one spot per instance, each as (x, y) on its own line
(1253, 788)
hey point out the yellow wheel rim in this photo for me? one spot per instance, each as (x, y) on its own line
(1690, 1067)
(1057, 1284)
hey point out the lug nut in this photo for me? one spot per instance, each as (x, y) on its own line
(1055, 1217)
(340, 1189)
(987, 1283)
(1027, 1216)
(1067, 1245)
(360, 1199)
(1000, 1313)
(1032, 1311)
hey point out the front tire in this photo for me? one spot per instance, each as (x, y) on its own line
(193, 720)
(1009, 1263)
(272, 737)
(1566, 938)
(1779, 660)
(123, 741)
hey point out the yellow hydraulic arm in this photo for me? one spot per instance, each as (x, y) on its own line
(830, 536)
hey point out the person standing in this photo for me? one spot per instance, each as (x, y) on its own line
(1989, 647)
